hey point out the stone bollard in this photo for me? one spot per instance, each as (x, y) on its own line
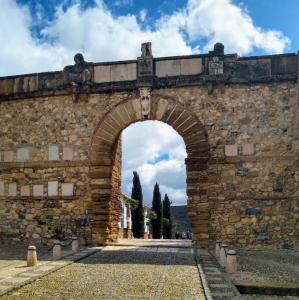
(231, 262)
(217, 250)
(222, 259)
(75, 244)
(31, 256)
(57, 249)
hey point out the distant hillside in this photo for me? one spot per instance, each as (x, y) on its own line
(180, 219)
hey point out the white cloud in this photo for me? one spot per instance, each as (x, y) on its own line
(147, 141)
(120, 3)
(102, 36)
(143, 15)
(223, 21)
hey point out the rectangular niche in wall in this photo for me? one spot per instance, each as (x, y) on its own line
(38, 190)
(25, 191)
(53, 153)
(67, 189)
(53, 188)
(12, 189)
(2, 191)
(67, 153)
(231, 150)
(247, 149)
(8, 156)
(23, 154)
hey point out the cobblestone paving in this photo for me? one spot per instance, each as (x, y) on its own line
(271, 266)
(121, 273)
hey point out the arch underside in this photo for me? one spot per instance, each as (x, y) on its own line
(105, 157)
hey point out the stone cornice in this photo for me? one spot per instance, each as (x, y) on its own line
(176, 71)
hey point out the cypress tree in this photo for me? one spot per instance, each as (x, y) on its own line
(157, 208)
(167, 228)
(137, 213)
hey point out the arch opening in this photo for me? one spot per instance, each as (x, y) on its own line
(105, 159)
(157, 153)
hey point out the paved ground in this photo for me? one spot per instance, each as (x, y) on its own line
(281, 266)
(122, 272)
(270, 269)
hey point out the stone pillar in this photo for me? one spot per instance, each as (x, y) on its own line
(217, 250)
(75, 244)
(231, 262)
(31, 256)
(223, 250)
(57, 249)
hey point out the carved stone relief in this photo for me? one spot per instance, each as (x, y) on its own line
(145, 100)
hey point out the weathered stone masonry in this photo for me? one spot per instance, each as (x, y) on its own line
(60, 151)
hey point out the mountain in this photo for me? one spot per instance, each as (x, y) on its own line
(180, 219)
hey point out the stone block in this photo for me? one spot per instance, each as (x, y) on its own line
(12, 189)
(23, 154)
(8, 156)
(166, 68)
(2, 188)
(38, 190)
(231, 150)
(102, 73)
(191, 66)
(53, 188)
(67, 189)
(282, 65)
(123, 72)
(53, 153)
(248, 149)
(25, 190)
(68, 153)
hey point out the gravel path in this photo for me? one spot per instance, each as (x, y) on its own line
(119, 273)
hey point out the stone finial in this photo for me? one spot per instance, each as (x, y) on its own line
(145, 100)
(146, 50)
(79, 73)
(79, 77)
(218, 49)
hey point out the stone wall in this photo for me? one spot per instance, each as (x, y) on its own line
(60, 160)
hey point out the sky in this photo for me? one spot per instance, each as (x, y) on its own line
(44, 35)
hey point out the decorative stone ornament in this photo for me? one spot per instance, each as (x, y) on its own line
(146, 65)
(79, 77)
(146, 50)
(215, 66)
(145, 100)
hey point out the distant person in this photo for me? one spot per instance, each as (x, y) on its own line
(188, 235)
(176, 235)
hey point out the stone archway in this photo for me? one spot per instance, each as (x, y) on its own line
(105, 159)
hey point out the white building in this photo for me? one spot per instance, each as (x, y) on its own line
(125, 222)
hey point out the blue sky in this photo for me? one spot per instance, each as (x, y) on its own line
(267, 14)
(44, 35)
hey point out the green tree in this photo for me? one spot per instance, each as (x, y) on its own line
(157, 209)
(167, 223)
(137, 213)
